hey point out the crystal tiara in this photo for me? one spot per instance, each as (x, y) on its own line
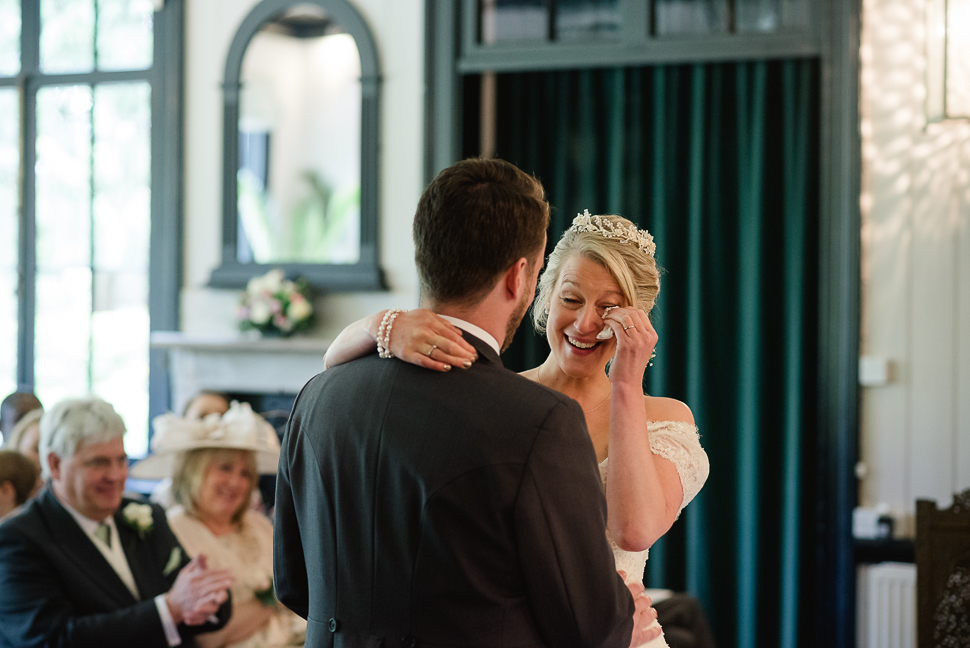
(603, 226)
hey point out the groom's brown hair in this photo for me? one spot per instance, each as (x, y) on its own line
(474, 221)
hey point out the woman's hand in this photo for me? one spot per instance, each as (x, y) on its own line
(635, 342)
(423, 338)
(419, 337)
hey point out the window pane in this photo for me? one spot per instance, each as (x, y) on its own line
(9, 235)
(505, 20)
(691, 16)
(758, 15)
(958, 59)
(63, 309)
(125, 34)
(63, 333)
(9, 37)
(122, 193)
(67, 35)
(587, 18)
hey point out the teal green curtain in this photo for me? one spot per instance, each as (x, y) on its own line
(720, 163)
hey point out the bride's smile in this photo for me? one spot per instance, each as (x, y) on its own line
(584, 292)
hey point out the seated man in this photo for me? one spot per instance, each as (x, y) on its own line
(80, 566)
(17, 479)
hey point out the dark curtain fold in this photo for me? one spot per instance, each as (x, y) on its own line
(720, 162)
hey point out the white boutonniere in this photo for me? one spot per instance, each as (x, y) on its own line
(174, 560)
(139, 517)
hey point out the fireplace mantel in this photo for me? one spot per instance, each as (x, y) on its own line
(238, 364)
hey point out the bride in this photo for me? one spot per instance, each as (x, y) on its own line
(593, 301)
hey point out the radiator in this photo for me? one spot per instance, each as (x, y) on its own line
(886, 606)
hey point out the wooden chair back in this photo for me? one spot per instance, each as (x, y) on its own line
(943, 573)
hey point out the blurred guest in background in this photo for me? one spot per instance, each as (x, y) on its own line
(214, 464)
(83, 566)
(13, 408)
(18, 478)
(204, 403)
(25, 439)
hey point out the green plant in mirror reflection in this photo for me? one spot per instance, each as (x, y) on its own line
(323, 227)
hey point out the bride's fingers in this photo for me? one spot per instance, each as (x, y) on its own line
(423, 338)
(650, 633)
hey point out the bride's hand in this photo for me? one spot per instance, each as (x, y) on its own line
(644, 617)
(635, 342)
(422, 338)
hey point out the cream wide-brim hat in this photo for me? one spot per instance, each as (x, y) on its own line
(238, 429)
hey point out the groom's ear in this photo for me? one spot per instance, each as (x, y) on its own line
(517, 279)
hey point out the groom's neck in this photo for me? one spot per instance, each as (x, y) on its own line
(486, 315)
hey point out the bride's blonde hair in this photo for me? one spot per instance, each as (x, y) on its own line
(634, 271)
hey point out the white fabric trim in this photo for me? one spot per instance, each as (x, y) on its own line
(168, 623)
(477, 331)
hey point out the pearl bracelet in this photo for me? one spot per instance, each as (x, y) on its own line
(384, 332)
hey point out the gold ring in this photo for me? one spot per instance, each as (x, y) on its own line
(631, 326)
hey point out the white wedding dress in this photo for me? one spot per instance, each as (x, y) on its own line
(679, 443)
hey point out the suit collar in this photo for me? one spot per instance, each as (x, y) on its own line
(71, 540)
(475, 330)
(486, 353)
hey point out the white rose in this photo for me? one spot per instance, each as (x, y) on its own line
(259, 312)
(273, 280)
(139, 516)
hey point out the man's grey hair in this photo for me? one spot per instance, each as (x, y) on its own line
(73, 421)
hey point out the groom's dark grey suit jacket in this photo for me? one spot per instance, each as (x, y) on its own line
(443, 509)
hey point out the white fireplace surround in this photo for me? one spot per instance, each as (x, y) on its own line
(238, 364)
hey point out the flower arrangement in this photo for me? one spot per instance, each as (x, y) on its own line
(274, 305)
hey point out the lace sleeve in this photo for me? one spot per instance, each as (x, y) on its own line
(679, 443)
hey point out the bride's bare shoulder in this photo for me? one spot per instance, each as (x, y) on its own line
(667, 409)
(531, 374)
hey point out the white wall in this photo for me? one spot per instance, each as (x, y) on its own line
(916, 272)
(398, 28)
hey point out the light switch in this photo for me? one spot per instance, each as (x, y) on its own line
(873, 371)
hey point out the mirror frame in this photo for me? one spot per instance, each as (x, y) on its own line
(366, 274)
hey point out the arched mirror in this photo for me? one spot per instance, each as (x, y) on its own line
(300, 147)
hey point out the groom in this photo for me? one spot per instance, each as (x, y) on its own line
(415, 507)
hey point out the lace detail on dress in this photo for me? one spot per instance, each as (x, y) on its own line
(679, 443)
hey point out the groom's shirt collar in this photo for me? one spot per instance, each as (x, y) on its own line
(477, 331)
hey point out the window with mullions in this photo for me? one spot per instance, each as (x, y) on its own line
(76, 221)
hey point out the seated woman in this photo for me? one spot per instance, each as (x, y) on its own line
(214, 464)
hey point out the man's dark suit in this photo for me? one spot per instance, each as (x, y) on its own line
(443, 509)
(58, 590)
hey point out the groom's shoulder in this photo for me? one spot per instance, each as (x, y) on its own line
(509, 389)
